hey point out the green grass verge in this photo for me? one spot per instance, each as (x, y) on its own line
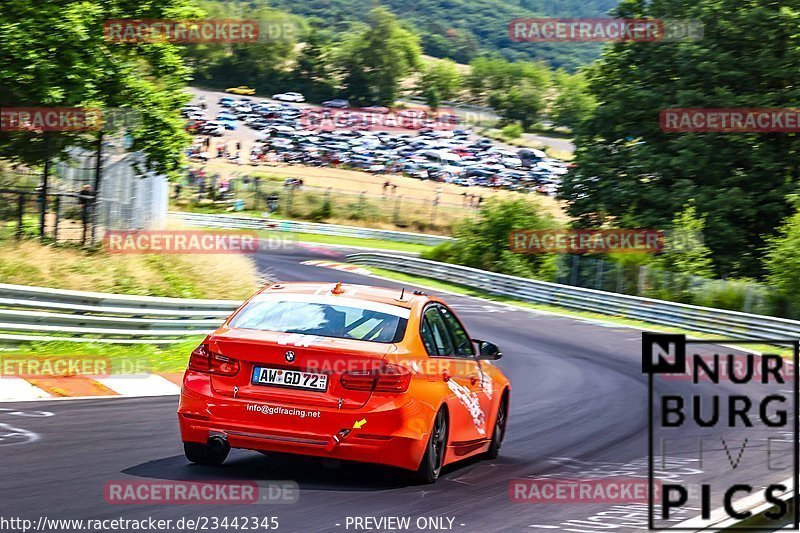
(65, 266)
(355, 241)
(621, 321)
(124, 359)
(376, 244)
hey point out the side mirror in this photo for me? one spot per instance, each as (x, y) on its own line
(488, 350)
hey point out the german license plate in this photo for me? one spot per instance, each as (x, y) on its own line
(295, 379)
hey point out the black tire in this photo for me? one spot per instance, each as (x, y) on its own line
(499, 432)
(204, 454)
(431, 465)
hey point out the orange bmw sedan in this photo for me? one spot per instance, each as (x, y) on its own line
(346, 372)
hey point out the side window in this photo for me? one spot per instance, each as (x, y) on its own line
(441, 337)
(463, 346)
(427, 337)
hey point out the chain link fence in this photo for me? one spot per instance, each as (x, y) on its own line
(67, 217)
(129, 197)
(292, 200)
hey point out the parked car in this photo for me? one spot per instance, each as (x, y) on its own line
(336, 103)
(259, 124)
(214, 128)
(376, 109)
(195, 126)
(242, 89)
(228, 124)
(189, 109)
(289, 97)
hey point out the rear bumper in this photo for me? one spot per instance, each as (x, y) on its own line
(395, 432)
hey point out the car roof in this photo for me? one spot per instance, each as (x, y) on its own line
(368, 293)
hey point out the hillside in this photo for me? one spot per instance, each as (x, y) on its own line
(460, 29)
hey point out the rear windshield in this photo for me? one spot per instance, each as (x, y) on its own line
(323, 319)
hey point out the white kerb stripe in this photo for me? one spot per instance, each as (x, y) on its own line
(14, 388)
(139, 385)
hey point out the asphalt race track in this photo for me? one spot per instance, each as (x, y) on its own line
(578, 408)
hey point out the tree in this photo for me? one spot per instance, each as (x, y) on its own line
(375, 60)
(432, 97)
(574, 102)
(266, 64)
(685, 251)
(782, 265)
(627, 166)
(524, 104)
(311, 73)
(439, 39)
(443, 76)
(55, 55)
(515, 90)
(490, 74)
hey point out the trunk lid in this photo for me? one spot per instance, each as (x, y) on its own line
(309, 353)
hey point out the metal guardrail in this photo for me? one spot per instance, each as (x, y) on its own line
(704, 319)
(293, 226)
(28, 312)
(41, 314)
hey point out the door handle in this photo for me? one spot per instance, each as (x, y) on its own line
(473, 379)
(445, 375)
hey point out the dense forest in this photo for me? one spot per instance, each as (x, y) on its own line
(462, 29)
(376, 62)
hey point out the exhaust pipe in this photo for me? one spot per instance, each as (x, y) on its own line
(218, 443)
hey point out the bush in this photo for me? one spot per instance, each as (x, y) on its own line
(512, 131)
(484, 242)
(323, 212)
(783, 267)
(736, 295)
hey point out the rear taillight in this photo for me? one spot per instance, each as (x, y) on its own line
(396, 380)
(387, 378)
(203, 360)
(200, 360)
(358, 380)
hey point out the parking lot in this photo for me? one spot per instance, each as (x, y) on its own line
(412, 141)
